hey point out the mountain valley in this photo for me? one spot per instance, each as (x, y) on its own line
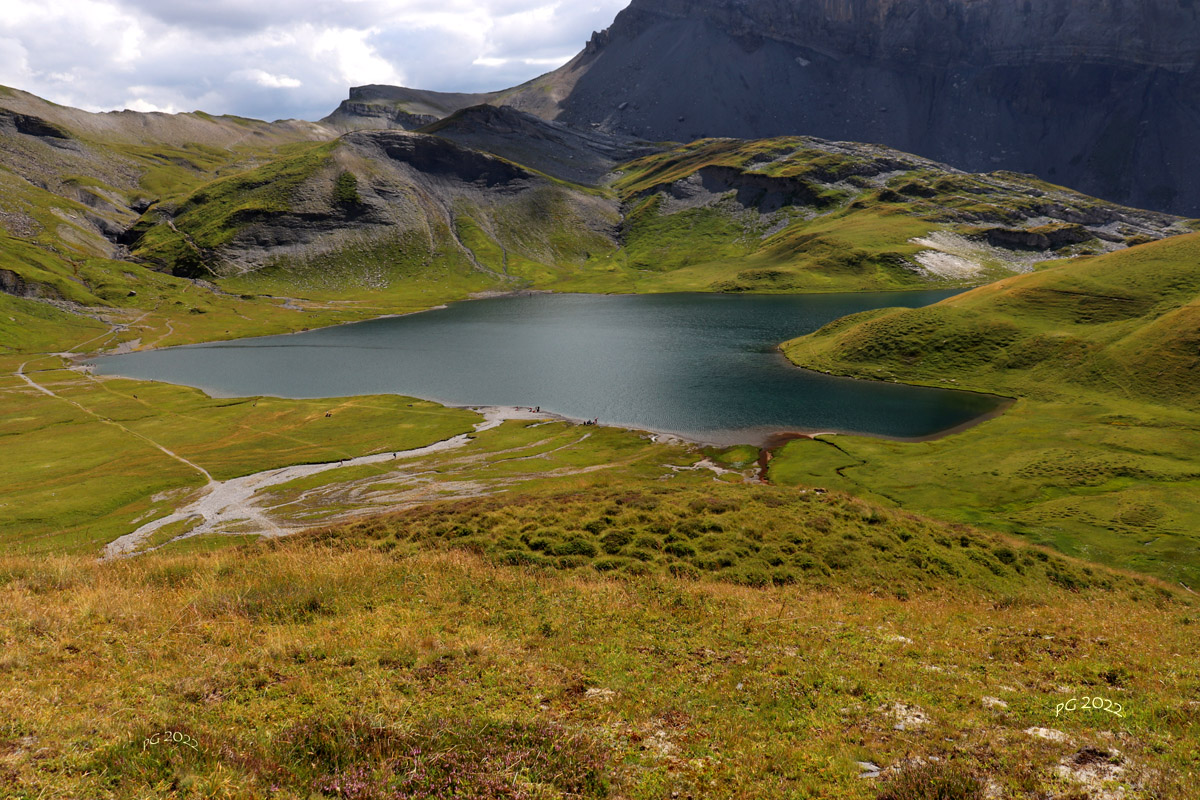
(383, 596)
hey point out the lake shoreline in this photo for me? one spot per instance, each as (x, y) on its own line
(639, 362)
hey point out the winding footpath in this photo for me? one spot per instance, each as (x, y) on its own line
(25, 377)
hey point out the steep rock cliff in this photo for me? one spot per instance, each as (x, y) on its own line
(1103, 96)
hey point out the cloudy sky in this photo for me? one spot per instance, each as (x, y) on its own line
(275, 59)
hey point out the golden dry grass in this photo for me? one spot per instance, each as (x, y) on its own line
(294, 667)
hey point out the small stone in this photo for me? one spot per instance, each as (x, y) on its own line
(909, 718)
(994, 702)
(1049, 734)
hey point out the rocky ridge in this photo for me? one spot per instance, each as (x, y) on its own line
(503, 198)
(1098, 97)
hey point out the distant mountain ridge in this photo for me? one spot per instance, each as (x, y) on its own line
(498, 197)
(1102, 97)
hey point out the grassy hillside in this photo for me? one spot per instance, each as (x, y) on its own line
(799, 214)
(392, 221)
(384, 217)
(635, 528)
(336, 667)
(1097, 457)
(209, 218)
(380, 216)
(1120, 324)
(74, 184)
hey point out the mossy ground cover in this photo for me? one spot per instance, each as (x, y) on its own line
(343, 670)
(751, 535)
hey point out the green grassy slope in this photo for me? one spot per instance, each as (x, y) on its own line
(796, 214)
(210, 216)
(287, 209)
(692, 528)
(425, 220)
(779, 215)
(1096, 458)
(1122, 324)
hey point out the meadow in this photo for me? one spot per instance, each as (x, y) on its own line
(324, 666)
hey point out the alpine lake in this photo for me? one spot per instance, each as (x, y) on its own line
(705, 367)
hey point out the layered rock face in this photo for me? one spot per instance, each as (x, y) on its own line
(397, 108)
(944, 32)
(1102, 96)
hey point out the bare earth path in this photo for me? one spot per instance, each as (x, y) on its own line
(223, 504)
(21, 374)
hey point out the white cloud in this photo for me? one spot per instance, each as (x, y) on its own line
(266, 79)
(281, 58)
(140, 104)
(355, 59)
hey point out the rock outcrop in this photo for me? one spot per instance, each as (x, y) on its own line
(398, 108)
(579, 155)
(1103, 97)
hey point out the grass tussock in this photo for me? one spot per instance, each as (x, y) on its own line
(933, 780)
(749, 535)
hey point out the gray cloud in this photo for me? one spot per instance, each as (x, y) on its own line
(279, 58)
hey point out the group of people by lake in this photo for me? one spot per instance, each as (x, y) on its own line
(538, 410)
